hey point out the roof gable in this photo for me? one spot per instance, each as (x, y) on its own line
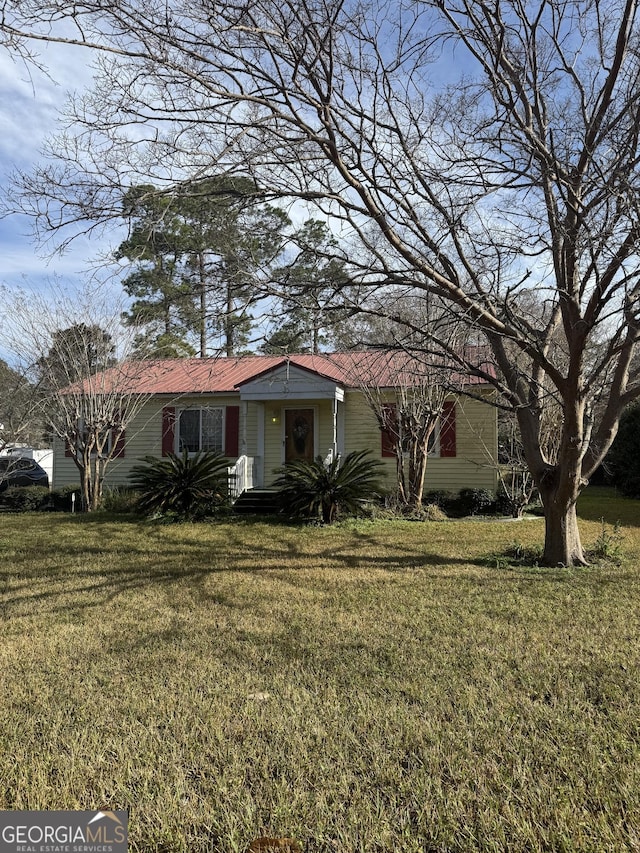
(290, 381)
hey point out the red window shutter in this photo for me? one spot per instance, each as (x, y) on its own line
(168, 429)
(232, 431)
(388, 437)
(448, 429)
(68, 452)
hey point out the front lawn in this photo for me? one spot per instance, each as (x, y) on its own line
(376, 687)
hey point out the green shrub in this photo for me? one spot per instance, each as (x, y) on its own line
(623, 460)
(61, 498)
(186, 487)
(476, 502)
(316, 490)
(26, 498)
(466, 502)
(120, 499)
(440, 498)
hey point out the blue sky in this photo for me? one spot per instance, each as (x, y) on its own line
(29, 106)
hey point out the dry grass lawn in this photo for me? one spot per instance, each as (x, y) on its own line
(379, 686)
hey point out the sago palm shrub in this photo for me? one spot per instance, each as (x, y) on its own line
(186, 486)
(315, 489)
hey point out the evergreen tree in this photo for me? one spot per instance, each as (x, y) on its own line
(201, 254)
(156, 245)
(75, 353)
(307, 288)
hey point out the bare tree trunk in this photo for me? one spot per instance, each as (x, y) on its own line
(229, 323)
(416, 485)
(562, 545)
(86, 486)
(412, 469)
(97, 483)
(401, 479)
(417, 473)
(202, 319)
(560, 486)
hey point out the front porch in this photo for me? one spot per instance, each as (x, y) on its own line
(286, 414)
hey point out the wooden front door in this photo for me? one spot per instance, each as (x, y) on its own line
(298, 434)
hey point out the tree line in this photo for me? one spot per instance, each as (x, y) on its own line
(213, 262)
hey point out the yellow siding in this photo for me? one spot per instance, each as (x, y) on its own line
(143, 437)
(249, 429)
(361, 427)
(325, 426)
(473, 466)
(273, 438)
(476, 439)
(274, 432)
(65, 472)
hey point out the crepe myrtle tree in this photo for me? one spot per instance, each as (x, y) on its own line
(407, 392)
(482, 151)
(74, 351)
(90, 416)
(408, 411)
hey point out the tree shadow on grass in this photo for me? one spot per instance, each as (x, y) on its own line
(81, 574)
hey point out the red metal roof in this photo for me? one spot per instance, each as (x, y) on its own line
(226, 374)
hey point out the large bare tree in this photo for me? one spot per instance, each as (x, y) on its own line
(480, 151)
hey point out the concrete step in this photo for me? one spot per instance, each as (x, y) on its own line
(257, 502)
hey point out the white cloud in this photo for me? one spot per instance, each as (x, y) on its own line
(30, 100)
(30, 103)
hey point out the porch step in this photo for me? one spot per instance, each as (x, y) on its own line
(257, 502)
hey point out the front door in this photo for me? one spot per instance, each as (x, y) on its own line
(298, 434)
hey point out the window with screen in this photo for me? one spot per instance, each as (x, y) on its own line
(201, 429)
